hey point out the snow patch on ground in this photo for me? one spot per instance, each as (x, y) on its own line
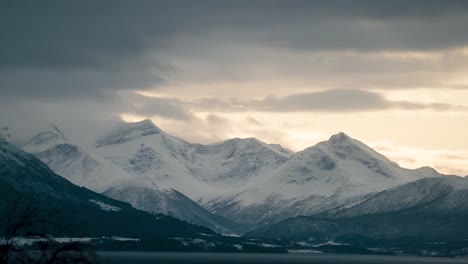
(269, 245)
(231, 235)
(330, 243)
(105, 207)
(27, 241)
(203, 234)
(239, 247)
(116, 238)
(305, 251)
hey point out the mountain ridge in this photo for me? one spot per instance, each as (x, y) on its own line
(246, 180)
(92, 171)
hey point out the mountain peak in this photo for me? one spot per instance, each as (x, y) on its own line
(44, 140)
(346, 147)
(128, 131)
(145, 125)
(339, 138)
(144, 122)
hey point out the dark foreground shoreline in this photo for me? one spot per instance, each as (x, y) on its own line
(230, 258)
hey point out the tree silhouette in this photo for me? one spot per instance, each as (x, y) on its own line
(23, 221)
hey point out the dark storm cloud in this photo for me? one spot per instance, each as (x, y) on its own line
(52, 49)
(66, 35)
(49, 85)
(55, 49)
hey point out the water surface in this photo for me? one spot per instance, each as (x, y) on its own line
(227, 258)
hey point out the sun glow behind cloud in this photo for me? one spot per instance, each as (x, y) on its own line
(417, 131)
(130, 118)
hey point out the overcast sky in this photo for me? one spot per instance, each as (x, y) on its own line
(393, 74)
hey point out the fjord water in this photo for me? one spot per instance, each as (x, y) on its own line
(231, 258)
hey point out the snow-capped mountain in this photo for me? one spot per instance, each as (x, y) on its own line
(196, 170)
(128, 131)
(339, 172)
(88, 169)
(244, 180)
(252, 182)
(165, 169)
(29, 188)
(78, 165)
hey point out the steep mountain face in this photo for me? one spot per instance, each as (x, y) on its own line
(426, 210)
(27, 183)
(339, 172)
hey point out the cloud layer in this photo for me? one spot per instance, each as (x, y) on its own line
(345, 101)
(331, 101)
(218, 69)
(87, 48)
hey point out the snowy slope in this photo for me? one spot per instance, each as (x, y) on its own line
(79, 166)
(28, 187)
(164, 167)
(235, 162)
(251, 182)
(440, 195)
(342, 166)
(85, 168)
(146, 195)
(429, 209)
(337, 172)
(198, 171)
(281, 149)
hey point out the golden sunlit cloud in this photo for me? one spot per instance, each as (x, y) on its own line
(130, 118)
(445, 161)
